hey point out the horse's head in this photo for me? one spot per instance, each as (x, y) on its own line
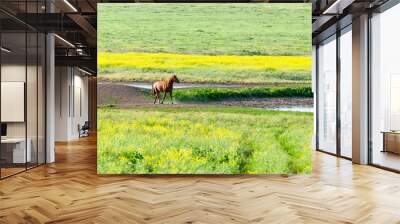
(175, 79)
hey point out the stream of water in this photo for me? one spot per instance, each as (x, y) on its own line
(295, 108)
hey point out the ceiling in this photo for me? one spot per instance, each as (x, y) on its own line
(73, 21)
(330, 15)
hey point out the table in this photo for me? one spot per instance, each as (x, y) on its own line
(13, 150)
(391, 141)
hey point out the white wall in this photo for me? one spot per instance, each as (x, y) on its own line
(71, 87)
(9, 73)
(81, 94)
(13, 72)
(62, 82)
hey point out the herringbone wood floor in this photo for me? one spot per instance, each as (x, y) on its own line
(70, 191)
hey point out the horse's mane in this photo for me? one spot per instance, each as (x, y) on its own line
(167, 79)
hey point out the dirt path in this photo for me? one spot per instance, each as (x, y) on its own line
(147, 85)
(124, 95)
(119, 94)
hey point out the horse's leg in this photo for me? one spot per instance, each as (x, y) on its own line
(172, 100)
(165, 94)
(155, 97)
(158, 97)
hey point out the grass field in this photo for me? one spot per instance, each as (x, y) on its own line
(205, 29)
(203, 140)
(218, 94)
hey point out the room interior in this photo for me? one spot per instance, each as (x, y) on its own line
(44, 80)
(336, 46)
(385, 75)
(22, 101)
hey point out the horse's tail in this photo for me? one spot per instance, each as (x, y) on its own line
(153, 90)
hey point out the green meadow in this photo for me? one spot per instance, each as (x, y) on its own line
(209, 140)
(205, 29)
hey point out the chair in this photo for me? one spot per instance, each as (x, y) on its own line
(84, 130)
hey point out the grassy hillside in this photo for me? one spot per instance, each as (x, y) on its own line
(203, 140)
(206, 29)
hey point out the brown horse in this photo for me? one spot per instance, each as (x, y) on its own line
(165, 86)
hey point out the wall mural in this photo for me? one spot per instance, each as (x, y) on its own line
(204, 89)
